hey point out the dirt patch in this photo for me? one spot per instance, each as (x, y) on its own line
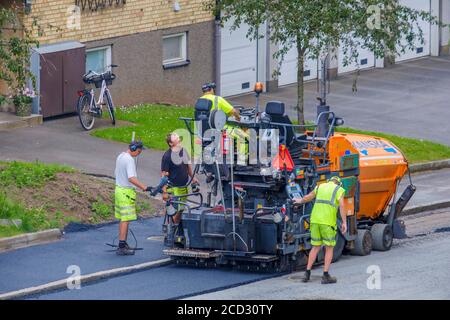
(77, 197)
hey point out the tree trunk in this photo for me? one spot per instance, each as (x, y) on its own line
(300, 84)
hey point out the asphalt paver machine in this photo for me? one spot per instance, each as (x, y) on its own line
(249, 220)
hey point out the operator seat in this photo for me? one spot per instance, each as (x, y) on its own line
(202, 111)
(294, 142)
(276, 110)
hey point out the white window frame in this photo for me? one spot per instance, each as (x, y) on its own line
(183, 57)
(108, 57)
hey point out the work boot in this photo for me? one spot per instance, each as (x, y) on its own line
(327, 279)
(124, 250)
(307, 276)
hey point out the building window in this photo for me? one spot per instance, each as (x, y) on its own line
(98, 59)
(174, 49)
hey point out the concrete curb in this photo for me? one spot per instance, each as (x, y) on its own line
(21, 122)
(62, 284)
(426, 207)
(433, 165)
(29, 239)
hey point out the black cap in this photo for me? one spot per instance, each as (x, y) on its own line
(208, 86)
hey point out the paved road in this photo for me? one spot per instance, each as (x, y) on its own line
(41, 264)
(169, 282)
(415, 268)
(406, 273)
(410, 99)
(45, 263)
(432, 187)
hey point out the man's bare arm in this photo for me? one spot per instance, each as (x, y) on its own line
(309, 197)
(137, 183)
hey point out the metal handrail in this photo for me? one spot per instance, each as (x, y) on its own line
(330, 129)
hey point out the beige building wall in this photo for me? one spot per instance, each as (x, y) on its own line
(134, 32)
(58, 19)
(140, 75)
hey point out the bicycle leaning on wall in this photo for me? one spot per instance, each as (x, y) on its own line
(88, 108)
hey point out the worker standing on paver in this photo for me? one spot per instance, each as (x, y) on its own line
(329, 197)
(125, 193)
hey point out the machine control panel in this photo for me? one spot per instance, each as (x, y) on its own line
(293, 190)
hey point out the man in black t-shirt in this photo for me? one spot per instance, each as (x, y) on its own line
(175, 164)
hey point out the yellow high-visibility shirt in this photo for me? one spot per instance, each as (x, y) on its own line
(327, 203)
(223, 104)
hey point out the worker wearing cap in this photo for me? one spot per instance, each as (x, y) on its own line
(125, 193)
(217, 101)
(232, 130)
(329, 198)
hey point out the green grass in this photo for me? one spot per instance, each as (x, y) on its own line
(415, 150)
(9, 231)
(101, 211)
(34, 174)
(32, 219)
(153, 123)
(20, 175)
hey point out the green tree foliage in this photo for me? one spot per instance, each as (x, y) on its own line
(317, 27)
(16, 43)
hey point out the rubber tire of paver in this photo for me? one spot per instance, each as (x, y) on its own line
(363, 243)
(382, 237)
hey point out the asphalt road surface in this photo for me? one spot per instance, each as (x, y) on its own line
(415, 268)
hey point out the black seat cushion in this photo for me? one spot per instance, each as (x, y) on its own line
(203, 105)
(202, 111)
(275, 108)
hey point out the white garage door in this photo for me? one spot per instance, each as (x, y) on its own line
(288, 69)
(366, 59)
(420, 49)
(238, 61)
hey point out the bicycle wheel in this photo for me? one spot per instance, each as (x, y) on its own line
(107, 95)
(87, 118)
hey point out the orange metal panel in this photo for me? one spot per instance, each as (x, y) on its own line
(349, 206)
(381, 165)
